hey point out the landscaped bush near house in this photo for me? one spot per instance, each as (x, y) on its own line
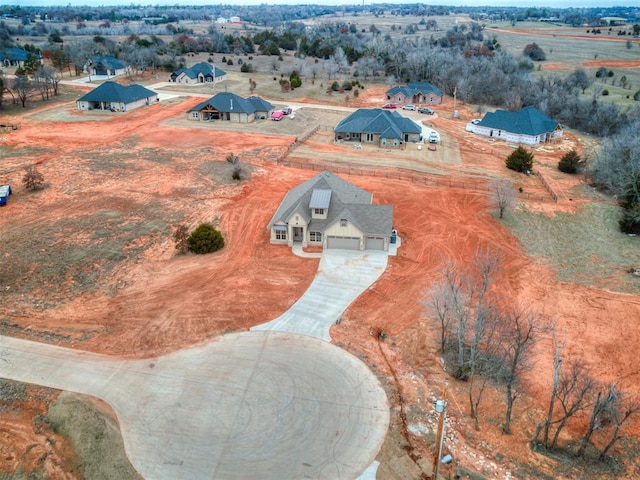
(570, 162)
(521, 160)
(205, 239)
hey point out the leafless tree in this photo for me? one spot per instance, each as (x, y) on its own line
(574, 390)
(520, 327)
(22, 87)
(600, 413)
(623, 408)
(503, 194)
(180, 237)
(33, 179)
(557, 371)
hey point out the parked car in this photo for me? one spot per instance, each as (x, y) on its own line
(286, 110)
(389, 106)
(426, 110)
(434, 137)
(409, 107)
(277, 115)
(475, 121)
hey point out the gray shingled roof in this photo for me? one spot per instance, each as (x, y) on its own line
(528, 121)
(114, 92)
(110, 62)
(203, 68)
(230, 102)
(415, 88)
(347, 201)
(386, 123)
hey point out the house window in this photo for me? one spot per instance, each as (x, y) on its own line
(318, 211)
(281, 234)
(369, 137)
(315, 236)
(194, 114)
(343, 222)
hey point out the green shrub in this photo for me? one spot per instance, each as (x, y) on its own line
(570, 162)
(521, 160)
(205, 239)
(335, 86)
(605, 92)
(630, 221)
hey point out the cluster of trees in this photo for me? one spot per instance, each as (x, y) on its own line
(616, 168)
(489, 343)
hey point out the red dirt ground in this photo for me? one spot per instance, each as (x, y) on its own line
(166, 302)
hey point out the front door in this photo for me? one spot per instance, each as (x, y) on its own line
(298, 235)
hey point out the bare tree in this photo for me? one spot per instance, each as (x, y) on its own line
(574, 390)
(180, 237)
(22, 86)
(520, 327)
(438, 303)
(623, 408)
(33, 179)
(503, 194)
(604, 403)
(557, 369)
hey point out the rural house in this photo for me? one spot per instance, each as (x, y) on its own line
(116, 98)
(415, 93)
(15, 57)
(106, 66)
(5, 191)
(226, 106)
(330, 212)
(384, 128)
(528, 126)
(202, 72)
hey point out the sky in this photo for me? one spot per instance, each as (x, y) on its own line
(500, 3)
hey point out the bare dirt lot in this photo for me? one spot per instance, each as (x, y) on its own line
(88, 263)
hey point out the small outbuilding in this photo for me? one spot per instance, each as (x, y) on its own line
(330, 212)
(229, 107)
(112, 96)
(5, 191)
(527, 126)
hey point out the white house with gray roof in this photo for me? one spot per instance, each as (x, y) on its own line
(330, 212)
(385, 128)
(227, 106)
(528, 126)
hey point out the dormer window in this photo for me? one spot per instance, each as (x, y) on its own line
(343, 222)
(318, 211)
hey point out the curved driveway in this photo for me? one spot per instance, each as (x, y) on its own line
(342, 276)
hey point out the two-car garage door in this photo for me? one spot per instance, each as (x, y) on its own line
(353, 243)
(345, 243)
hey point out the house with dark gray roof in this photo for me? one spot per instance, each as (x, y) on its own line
(528, 126)
(227, 106)
(202, 72)
(112, 96)
(415, 93)
(106, 66)
(385, 128)
(330, 212)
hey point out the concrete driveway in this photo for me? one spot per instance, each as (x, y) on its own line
(342, 276)
(264, 405)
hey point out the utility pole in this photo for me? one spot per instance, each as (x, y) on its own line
(455, 97)
(441, 408)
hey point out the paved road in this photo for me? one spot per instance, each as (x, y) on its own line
(342, 276)
(263, 405)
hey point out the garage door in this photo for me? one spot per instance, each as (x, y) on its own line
(375, 243)
(345, 243)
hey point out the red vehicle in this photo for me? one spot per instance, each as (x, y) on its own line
(390, 106)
